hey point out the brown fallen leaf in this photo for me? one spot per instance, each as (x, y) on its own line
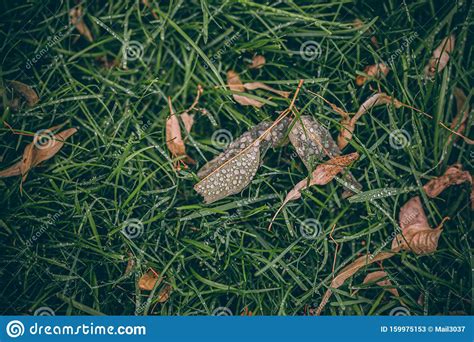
(454, 175)
(258, 61)
(77, 19)
(458, 125)
(348, 272)
(149, 280)
(348, 125)
(312, 141)
(44, 146)
(386, 283)
(323, 174)
(165, 293)
(375, 71)
(130, 264)
(417, 235)
(260, 85)
(440, 57)
(188, 121)
(174, 139)
(235, 84)
(25, 91)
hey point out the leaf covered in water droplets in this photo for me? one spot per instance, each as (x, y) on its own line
(312, 141)
(232, 170)
(231, 177)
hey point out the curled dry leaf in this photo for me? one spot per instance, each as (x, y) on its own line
(454, 175)
(236, 85)
(323, 174)
(312, 142)
(458, 126)
(77, 19)
(348, 125)
(348, 272)
(260, 85)
(44, 146)
(417, 236)
(25, 92)
(232, 170)
(174, 139)
(440, 57)
(148, 280)
(374, 276)
(258, 61)
(130, 264)
(188, 121)
(165, 293)
(376, 71)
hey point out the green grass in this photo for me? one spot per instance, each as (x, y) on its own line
(117, 168)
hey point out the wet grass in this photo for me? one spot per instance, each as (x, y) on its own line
(116, 171)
